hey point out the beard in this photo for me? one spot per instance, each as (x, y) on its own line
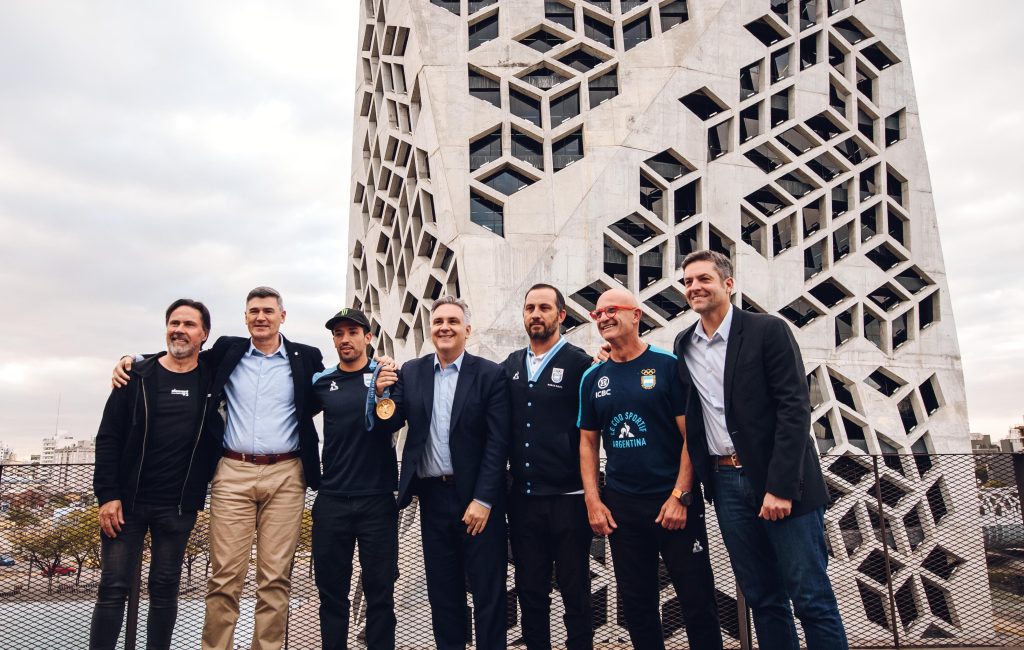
(545, 333)
(180, 349)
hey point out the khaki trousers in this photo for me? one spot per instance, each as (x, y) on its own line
(267, 499)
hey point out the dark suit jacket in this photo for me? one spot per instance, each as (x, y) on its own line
(767, 412)
(478, 436)
(306, 361)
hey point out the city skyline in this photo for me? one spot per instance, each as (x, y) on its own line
(114, 152)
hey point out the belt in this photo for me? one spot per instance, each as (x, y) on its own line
(447, 479)
(260, 459)
(731, 460)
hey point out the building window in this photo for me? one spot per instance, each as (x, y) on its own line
(636, 32)
(558, 13)
(485, 88)
(566, 151)
(672, 14)
(527, 149)
(484, 150)
(598, 31)
(808, 51)
(524, 106)
(565, 107)
(604, 87)
(750, 80)
(486, 213)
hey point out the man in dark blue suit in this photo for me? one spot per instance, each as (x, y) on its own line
(456, 451)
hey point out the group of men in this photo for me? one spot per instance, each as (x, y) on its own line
(728, 411)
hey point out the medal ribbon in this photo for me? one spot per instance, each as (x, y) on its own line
(371, 395)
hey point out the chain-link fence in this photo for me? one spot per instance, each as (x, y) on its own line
(926, 550)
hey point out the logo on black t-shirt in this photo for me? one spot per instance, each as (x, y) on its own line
(334, 385)
(180, 391)
(515, 377)
(648, 378)
(627, 431)
(557, 374)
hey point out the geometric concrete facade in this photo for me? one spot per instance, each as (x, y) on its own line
(593, 144)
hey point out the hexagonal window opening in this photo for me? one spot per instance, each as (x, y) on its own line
(507, 180)
(634, 229)
(669, 165)
(543, 77)
(541, 40)
(582, 59)
(703, 103)
(668, 303)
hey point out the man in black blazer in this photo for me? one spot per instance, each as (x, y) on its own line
(270, 456)
(748, 425)
(456, 451)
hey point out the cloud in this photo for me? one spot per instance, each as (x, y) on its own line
(159, 150)
(154, 150)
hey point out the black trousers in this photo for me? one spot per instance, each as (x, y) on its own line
(338, 523)
(452, 558)
(546, 531)
(119, 556)
(636, 544)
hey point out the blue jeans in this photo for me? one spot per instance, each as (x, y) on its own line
(776, 562)
(119, 556)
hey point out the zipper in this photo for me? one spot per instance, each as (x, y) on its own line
(145, 436)
(192, 458)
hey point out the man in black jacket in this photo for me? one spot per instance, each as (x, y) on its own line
(749, 439)
(156, 448)
(546, 514)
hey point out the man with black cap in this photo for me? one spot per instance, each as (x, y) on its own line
(356, 499)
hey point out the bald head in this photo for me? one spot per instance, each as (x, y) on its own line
(617, 297)
(618, 319)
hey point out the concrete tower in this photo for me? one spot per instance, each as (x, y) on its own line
(593, 144)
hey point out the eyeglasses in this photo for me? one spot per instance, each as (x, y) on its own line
(610, 310)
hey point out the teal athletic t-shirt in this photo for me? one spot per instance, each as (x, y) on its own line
(634, 405)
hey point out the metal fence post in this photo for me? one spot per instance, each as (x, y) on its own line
(743, 620)
(885, 554)
(1018, 473)
(131, 626)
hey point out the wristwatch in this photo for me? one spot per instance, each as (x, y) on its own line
(685, 498)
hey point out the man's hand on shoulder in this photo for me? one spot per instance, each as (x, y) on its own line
(672, 515)
(603, 353)
(774, 508)
(119, 378)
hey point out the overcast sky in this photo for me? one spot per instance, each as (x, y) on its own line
(152, 150)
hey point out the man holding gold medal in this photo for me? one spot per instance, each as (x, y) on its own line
(454, 459)
(356, 498)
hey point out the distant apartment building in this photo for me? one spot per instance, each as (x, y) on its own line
(63, 449)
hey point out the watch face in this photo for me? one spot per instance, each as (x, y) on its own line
(686, 498)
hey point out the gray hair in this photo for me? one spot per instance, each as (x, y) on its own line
(265, 292)
(452, 300)
(722, 263)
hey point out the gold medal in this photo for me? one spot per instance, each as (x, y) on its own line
(385, 408)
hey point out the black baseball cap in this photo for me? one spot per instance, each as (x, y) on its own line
(354, 315)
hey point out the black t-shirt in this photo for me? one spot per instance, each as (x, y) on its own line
(357, 462)
(170, 440)
(544, 452)
(634, 405)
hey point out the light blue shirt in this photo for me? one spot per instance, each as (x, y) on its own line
(261, 404)
(437, 457)
(705, 357)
